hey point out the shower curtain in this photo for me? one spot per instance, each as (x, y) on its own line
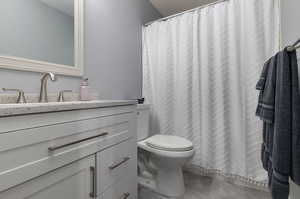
(199, 75)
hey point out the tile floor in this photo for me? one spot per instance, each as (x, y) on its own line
(199, 187)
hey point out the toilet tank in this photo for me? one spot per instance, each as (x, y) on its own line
(143, 113)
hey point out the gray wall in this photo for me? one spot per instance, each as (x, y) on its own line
(113, 51)
(32, 29)
(290, 16)
(114, 48)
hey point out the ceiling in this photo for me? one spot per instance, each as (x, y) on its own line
(65, 6)
(170, 7)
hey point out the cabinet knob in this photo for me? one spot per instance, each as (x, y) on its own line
(54, 148)
(93, 182)
(112, 167)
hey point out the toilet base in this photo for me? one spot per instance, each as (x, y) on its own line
(167, 180)
(147, 183)
(165, 169)
(170, 181)
(148, 193)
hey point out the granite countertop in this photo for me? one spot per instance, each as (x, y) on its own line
(31, 108)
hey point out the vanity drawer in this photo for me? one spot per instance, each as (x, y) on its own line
(29, 153)
(16, 123)
(116, 163)
(125, 188)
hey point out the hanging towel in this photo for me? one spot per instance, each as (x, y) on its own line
(279, 108)
(295, 167)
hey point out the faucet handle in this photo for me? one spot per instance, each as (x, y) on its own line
(61, 96)
(21, 95)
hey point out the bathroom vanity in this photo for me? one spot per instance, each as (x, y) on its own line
(71, 150)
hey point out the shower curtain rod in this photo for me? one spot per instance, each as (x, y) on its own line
(184, 12)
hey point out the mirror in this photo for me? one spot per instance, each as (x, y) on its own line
(42, 36)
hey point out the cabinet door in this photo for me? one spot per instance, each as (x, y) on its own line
(115, 163)
(125, 188)
(74, 181)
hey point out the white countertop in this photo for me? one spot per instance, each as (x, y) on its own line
(31, 108)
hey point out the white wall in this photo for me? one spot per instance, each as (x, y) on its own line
(290, 29)
(113, 51)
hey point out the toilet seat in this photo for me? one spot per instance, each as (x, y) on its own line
(169, 154)
(169, 143)
(144, 144)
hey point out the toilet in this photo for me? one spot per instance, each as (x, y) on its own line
(161, 158)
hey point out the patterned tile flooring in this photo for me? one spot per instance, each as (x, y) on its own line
(199, 187)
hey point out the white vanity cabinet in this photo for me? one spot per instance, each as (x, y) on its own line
(74, 181)
(75, 154)
(116, 167)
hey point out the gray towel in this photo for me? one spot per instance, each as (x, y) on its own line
(279, 108)
(295, 168)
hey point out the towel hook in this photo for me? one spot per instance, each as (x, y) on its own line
(294, 46)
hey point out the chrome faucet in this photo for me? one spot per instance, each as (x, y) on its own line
(43, 91)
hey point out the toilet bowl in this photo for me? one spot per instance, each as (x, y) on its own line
(168, 159)
(166, 155)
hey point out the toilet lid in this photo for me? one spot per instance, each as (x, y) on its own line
(169, 143)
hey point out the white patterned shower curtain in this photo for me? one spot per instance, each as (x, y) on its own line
(199, 74)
